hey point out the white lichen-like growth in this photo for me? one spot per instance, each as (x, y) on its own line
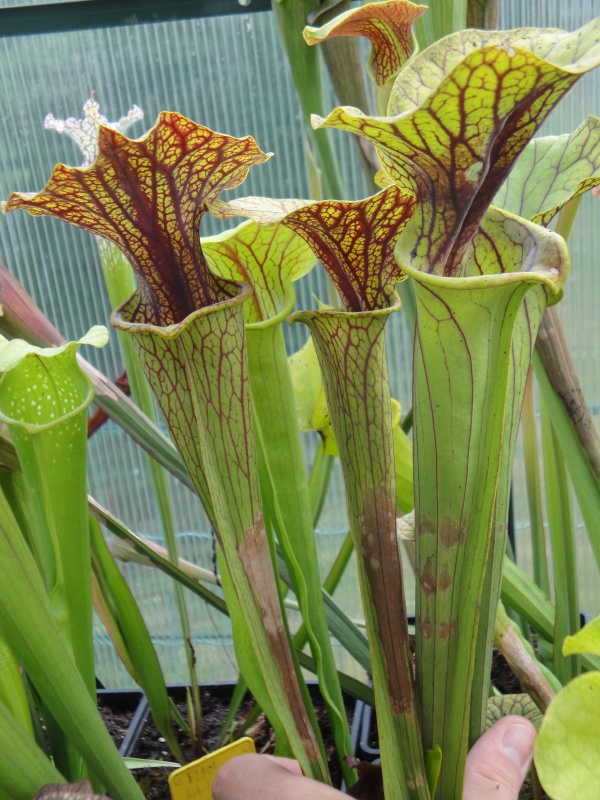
(84, 132)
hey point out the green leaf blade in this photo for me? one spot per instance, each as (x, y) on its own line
(27, 623)
(135, 635)
(587, 640)
(26, 768)
(567, 749)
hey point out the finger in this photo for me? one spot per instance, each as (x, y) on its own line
(288, 763)
(254, 777)
(498, 763)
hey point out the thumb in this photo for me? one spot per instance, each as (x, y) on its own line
(498, 763)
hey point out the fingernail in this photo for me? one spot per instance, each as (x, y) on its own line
(518, 744)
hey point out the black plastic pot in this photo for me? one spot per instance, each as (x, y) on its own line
(127, 702)
(365, 748)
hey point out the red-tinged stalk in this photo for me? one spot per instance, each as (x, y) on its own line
(350, 347)
(120, 283)
(270, 258)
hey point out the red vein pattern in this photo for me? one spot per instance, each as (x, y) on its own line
(148, 196)
(551, 171)
(387, 25)
(456, 149)
(354, 240)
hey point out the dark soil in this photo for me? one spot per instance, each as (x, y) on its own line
(116, 719)
(503, 677)
(151, 745)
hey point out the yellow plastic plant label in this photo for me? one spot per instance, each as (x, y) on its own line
(194, 781)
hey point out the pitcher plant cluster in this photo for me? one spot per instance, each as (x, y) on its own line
(465, 198)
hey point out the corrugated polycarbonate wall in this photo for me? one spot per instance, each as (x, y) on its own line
(227, 73)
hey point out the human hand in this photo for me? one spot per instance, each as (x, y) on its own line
(496, 768)
(499, 761)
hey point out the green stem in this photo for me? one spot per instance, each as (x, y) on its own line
(25, 769)
(12, 688)
(350, 348)
(406, 290)
(330, 583)
(287, 502)
(587, 488)
(560, 522)
(443, 18)
(534, 491)
(145, 549)
(124, 619)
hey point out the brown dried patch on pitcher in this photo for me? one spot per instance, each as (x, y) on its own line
(444, 580)
(427, 577)
(451, 533)
(256, 561)
(381, 559)
(425, 527)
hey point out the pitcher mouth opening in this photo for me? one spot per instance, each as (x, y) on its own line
(120, 321)
(395, 305)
